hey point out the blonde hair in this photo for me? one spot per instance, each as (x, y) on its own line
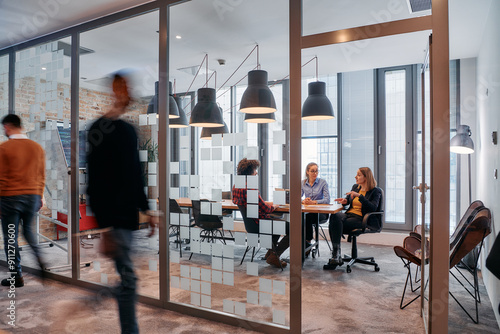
(309, 165)
(370, 179)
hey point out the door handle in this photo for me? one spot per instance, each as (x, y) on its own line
(422, 187)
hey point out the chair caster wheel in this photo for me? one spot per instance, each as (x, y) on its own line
(373, 260)
(377, 268)
(348, 269)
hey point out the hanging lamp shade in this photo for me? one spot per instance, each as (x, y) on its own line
(317, 106)
(260, 118)
(257, 98)
(206, 112)
(153, 104)
(462, 143)
(206, 133)
(181, 121)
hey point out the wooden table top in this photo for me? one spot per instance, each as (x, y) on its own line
(227, 204)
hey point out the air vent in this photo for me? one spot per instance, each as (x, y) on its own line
(67, 49)
(419, 5)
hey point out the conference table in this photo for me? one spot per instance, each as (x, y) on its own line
(227, 204)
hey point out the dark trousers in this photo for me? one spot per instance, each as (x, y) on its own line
(15, 209)
(310, 221)
(283, 244)
(341, 223)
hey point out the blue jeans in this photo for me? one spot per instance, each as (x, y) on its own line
(126, 291)
(14, 209)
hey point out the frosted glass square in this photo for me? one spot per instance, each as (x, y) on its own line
(152, 167)
(195, 299)
(152, 242)
(253, 211)
(240, 238)
(174, 167)
(143, 155)
(279, 317)
(217, 249)
(216, 263)
(279, 227)
(184, 232)
(195, 181)
(205, 208)
(174, 219)
(184, 141)
(279, 287)
(104, 278)
(217, 139)
(266, 241)
(206, 274)
(240, 181)
(184, 154)
(195, 273)
(228, 139)
(184, 180)
(194, 194)
(195, 246)
(217, 195)
(252, 297)
(195, 286)
(265, 285)
(216, 276)
(97, 265)
(252, 269)
(228, 306)
(185, 283)
(205, 154)
(143, 120)
(279, 167)
(151, 180)
(240, 138)
(184, 219)
(228, 265)
(59, 185)
(279, 197)
(48, 165)
(152, 119)
(195, 233)
(206, 288)
(253, 196)
(175, 282)
(240, 309)
(185, 270)
(228, 167)
(265, 226)
(253, 153)
(153, 265)
(206, 301)
(253, 239)
(53, 174)
(175, 257)
(217, 154)
(252, 182)
(206, 248)
(228, 223)
(265, 299)
(228, 278)
(279, 137)
(216, 209)
(153, 204)
(228, 251)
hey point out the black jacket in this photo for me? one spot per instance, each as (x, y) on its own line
(115, 178)
(371, 202)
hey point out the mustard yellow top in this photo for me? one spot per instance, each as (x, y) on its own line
(356, 205)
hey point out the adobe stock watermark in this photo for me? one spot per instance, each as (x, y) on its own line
(224, 6)
(11, 292)
(382, 16)
(31, 25)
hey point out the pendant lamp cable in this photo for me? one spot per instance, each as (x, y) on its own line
(310, 60)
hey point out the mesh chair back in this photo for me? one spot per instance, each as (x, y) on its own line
(174, 206)
(251, 225)
(208, 222)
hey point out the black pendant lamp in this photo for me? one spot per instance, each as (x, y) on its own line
(260, 118)
(257, 98)
(206, 112)
(153, 104)
(317, 106)
(181, 121)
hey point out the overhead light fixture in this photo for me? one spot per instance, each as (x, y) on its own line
(206, 133)
(317, 106)
(260, 118)
(181, 121)
(172, 105)
(257, 98)
(462, 143)
(206, 112)
(178, 36)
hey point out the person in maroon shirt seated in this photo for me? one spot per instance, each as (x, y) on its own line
(249, 167)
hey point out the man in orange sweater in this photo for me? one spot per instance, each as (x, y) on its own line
(22, 180)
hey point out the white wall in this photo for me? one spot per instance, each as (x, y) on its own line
(488, 120)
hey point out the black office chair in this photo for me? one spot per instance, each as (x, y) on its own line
(211, 225)
(353, 235)
(174, 230)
